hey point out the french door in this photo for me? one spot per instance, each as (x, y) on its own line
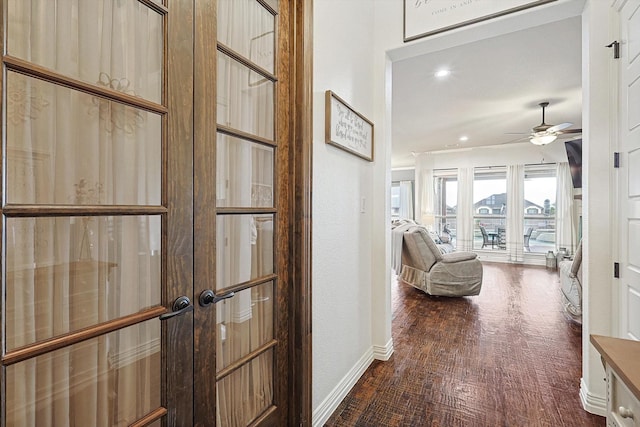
(145, 213)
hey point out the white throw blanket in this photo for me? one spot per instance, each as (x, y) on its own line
(397, 234)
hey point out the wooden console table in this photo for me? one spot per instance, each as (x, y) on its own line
(621, 359)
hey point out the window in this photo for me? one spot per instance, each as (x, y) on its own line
(402, 200)
(540, 208)
(490, 207)
(395, 199)
(446, 197)
(489, 203)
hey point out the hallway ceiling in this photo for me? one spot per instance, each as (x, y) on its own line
(493, 91)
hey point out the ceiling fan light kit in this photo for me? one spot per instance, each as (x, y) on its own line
(545, 134)
(542, 139)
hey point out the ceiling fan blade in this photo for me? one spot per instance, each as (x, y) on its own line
(570, 131)
(559, 127)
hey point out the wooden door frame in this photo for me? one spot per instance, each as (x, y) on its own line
(301, 99)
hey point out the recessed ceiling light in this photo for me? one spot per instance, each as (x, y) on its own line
(442, 73)
(464, 138)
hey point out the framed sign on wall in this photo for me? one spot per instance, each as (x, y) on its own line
(347, 129)
(424, 18)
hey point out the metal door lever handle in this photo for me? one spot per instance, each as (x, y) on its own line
(180, 306)
(209, 297)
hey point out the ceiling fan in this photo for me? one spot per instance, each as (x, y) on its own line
(544, 133)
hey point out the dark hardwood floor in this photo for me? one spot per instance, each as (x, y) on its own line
(507, 357)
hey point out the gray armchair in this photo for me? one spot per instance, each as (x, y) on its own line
(426, 268)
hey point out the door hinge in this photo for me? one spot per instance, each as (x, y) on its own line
(616, 159)
(616, 48)
(616, 270)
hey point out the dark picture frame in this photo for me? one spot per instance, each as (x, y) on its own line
(423, 18)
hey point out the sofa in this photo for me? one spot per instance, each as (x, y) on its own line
(426, 268)
(571, 285)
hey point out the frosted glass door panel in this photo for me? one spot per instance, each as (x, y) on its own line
(246, 392)
(117, 45)
(245, 101)
(111, 380)
(64, 274)
(104, 153)
(69, 148)
(244, 248)
(249, 29)
(245, 323)
(244, 173)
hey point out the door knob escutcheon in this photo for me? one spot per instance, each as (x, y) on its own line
(180, 306)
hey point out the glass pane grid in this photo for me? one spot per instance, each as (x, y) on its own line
(245, 250)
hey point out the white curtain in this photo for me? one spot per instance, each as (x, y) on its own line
(427, 205)
(465, 231)
(566, 227)
(245, 242)
(515, 212)
(406, 200)
(425, 194)
(66, 147)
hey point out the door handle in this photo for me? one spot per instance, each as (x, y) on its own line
(180, 306)
(209, 297)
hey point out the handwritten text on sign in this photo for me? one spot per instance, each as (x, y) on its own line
(348, 129)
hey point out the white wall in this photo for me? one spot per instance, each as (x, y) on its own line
(597, 170)
(342, 234)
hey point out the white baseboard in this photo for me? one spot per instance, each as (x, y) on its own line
(322, 413)
(592, 403)
(383, 352)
